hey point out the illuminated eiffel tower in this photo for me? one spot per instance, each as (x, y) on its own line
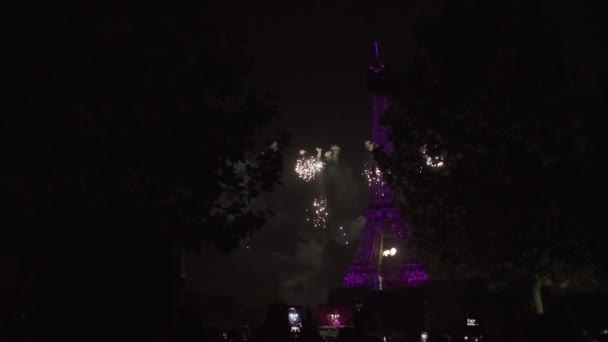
(381, 261)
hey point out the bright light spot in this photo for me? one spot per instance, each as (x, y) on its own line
(436, 161)
(374, 176)
(294, 320)
(335, 319)
(390, 252)
(319, 213)
(307, 168)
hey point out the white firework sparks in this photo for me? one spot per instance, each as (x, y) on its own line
(307, 168)
(342, 237)
(433, 162)
(374, 176)
(319, 213)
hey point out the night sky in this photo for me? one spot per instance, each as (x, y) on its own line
(314, 55)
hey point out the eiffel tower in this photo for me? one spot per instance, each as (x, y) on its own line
(381, 261)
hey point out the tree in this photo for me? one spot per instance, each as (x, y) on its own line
(129, 105)
(494, 158)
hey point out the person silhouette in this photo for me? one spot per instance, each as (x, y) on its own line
(550, 328)
(310, 331)
(189, 327)
(276, 324)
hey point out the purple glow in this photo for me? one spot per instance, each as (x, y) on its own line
(382, 220)
(335, 316)
(335, 319)
(380, 131)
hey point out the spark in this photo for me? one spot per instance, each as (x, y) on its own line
(308, 167)
(319, 213)
(434, 162)
(342, 237)
(247, 243)
(374, 176)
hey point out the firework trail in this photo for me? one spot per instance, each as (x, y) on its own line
(335, 149)
(319, 152)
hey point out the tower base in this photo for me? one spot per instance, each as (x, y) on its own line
(402, 276)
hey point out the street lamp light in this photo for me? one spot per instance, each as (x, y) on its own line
(390, 252)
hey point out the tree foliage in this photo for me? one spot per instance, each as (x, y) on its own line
(518, 193)
(114, 103)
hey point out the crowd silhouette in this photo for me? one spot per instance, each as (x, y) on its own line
(113, 274)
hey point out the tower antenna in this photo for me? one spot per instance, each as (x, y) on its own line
(376, 49)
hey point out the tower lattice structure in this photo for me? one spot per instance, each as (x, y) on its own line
(381, 260)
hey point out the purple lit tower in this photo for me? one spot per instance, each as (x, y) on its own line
(381, 261)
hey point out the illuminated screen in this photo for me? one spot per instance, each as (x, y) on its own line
(335, 316)
(471, 322)
(294, 316)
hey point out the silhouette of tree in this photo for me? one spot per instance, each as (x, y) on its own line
(107, 278)
(495, 160)
(189, 327)
(147, 106)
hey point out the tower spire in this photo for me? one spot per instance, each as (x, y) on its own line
(376, 49)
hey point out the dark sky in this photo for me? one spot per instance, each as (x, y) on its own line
(314, 55)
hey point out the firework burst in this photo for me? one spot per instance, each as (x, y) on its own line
(433, 162)
(374, 176)
(308, 167)
(318, 213)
